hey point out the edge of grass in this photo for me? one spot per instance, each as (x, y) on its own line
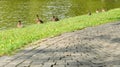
(14, 39)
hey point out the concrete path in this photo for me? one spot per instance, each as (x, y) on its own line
(91, 47)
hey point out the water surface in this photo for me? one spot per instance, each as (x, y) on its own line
(25, 10)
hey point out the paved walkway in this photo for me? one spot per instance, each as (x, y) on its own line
(91, 47)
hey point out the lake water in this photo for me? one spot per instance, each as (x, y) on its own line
(11, 11)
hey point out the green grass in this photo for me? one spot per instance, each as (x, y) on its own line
(13, 39)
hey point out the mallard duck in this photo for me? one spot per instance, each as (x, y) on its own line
(38, 20)
(19, 24)
(97, 11)
(54, 18)
(89, 13)
(103, 10)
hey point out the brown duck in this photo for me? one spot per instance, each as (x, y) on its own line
(89, 13)
(97, 11)
(38, 20)
(54, 18)
(19, 24)
(103, 10)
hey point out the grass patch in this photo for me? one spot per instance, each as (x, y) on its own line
(13, 39)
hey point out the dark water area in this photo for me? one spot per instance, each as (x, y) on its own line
(11, 11)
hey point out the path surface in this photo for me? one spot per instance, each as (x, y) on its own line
(91, 47)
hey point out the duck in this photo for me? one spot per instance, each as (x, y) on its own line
(97, 11)
(38, 20)
(103, 10)
(89, 13)
(54, 18)
(19, 24)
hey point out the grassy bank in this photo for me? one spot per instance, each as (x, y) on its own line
(13, 39)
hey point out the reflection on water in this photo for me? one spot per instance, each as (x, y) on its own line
(57, 7)
(11, 11)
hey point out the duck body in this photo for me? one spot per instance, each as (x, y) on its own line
(38, 20)
(97, 11)
(89, 13)
(19, 24)
(103, 10)
(54, 18)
